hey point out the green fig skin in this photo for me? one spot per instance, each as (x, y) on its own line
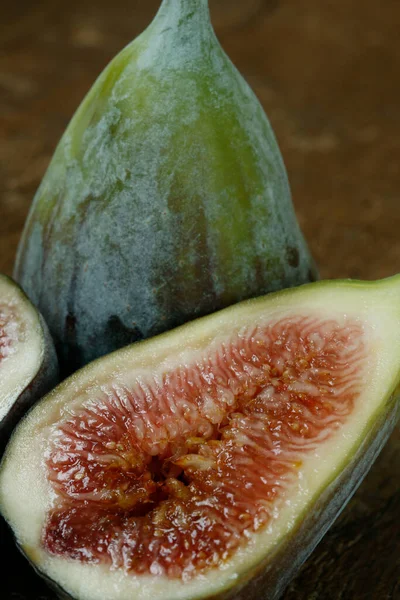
(166, 199)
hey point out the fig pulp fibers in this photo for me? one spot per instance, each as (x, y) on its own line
(8, 332)
(172, 474)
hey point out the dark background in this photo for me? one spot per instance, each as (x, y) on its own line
(328, 75)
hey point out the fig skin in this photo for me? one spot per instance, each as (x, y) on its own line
(267, 579)
(43, 380)
(166, 199)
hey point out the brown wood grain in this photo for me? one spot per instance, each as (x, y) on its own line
(327, 74)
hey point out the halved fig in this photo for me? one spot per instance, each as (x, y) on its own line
(28, 364)
(208, 462)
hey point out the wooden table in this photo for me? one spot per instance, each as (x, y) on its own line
(327, 74)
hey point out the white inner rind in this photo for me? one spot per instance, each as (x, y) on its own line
(22, 362)
(26, 496)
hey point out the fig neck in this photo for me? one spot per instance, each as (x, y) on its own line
(184, 16)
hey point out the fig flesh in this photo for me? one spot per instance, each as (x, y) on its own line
(209, 461)
(166, 199)
(28, 363)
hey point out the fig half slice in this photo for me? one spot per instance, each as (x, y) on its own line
(28, 363)
(208, 462)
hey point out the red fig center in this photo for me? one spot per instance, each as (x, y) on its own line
(172, 474)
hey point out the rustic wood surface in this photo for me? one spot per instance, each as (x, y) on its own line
(327, 74)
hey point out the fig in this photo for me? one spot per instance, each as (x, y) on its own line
(28, 363)
(166, 199)
(207, 462)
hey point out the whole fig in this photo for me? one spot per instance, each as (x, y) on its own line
(166, 198)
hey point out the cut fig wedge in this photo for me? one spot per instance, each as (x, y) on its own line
(28, 364)
(208, 462)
